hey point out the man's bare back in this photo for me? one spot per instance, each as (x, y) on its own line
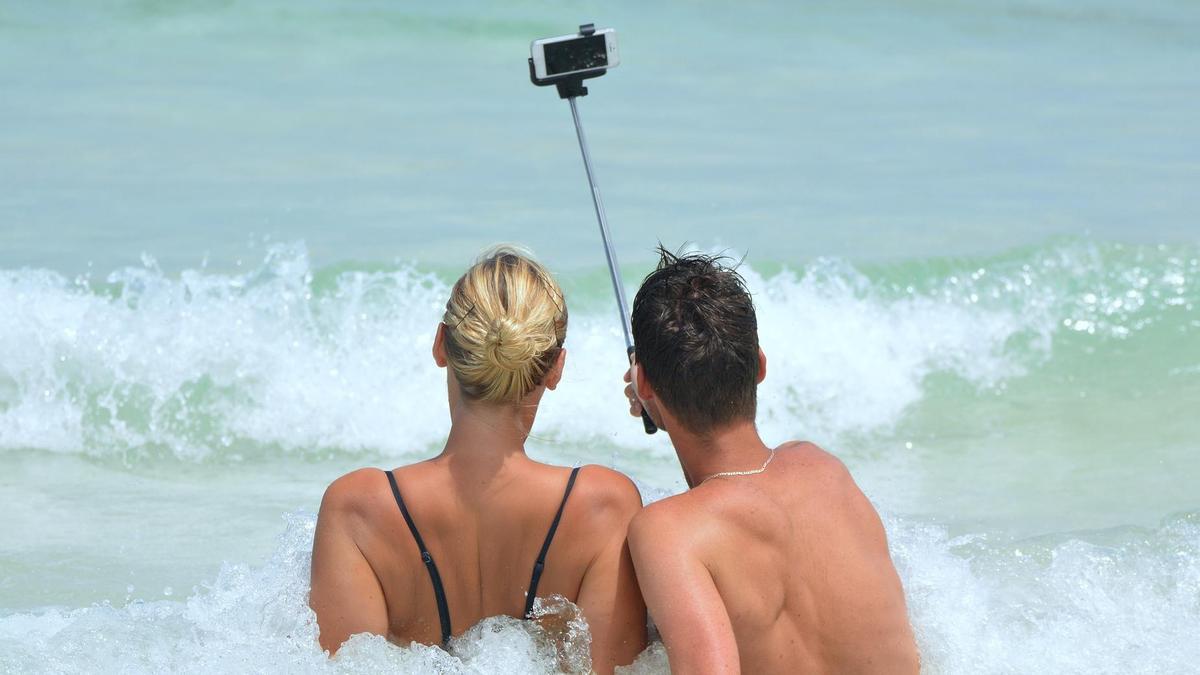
(774, 561)
(784, 571)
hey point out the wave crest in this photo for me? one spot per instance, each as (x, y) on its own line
(282, 359)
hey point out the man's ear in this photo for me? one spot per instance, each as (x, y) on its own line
(762, 365)
(554, 375)
(641, 384)
(439, 346)
(649, 400)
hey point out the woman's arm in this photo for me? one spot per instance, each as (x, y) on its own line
(609, 595)
(346, 594)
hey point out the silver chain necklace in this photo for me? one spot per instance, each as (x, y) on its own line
(751, 472)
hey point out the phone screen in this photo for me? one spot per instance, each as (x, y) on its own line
(572, 55)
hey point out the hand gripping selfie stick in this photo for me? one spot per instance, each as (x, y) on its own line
(571, 87)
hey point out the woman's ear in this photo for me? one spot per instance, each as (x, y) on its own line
(762, 365)
(554, 375)
(439, 346)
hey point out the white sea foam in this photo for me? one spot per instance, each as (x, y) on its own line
(224, 363)
(1118, 602)
(847, 360)
(210, 361)
(256, 619)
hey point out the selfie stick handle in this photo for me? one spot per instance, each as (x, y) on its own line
(610, 254)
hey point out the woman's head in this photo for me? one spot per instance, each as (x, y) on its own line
(505, 324)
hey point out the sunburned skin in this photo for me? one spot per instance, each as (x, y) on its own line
(786, 570)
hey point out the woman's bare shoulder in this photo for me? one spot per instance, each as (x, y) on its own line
(356, 493)
(606, 493)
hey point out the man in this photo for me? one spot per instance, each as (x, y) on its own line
(773, 561)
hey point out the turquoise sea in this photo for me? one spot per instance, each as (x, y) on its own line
(972, 229)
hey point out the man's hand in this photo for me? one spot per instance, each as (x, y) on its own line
(635, 404)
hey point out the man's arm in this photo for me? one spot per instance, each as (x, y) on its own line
(681, 595)
(346, 594)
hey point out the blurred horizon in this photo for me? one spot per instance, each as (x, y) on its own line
(376, 132)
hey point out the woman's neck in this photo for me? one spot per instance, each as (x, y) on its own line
(483, 439)
(480, 428)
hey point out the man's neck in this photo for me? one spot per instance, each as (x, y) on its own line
(734, 447)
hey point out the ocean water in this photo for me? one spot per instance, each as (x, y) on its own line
(227, 228)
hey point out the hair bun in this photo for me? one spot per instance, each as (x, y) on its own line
(505, 324)
(508, 345)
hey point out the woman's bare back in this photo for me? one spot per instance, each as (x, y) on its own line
(484, 536)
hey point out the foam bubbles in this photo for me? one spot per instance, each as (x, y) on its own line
(1122, 601)
(208, 362)
(258, 620)
(842, 359)
(280, 358)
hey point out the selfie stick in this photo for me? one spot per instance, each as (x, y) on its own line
(571, 87)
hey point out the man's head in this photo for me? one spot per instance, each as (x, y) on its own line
(696, 339)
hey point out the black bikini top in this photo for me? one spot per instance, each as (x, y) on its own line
(439, 591)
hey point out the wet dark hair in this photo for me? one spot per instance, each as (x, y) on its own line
(696, 337)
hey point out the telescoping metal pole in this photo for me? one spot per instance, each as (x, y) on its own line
(614, 268)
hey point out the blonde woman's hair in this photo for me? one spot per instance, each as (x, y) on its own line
(506, 321)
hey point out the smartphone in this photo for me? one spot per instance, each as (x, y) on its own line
(569, 54)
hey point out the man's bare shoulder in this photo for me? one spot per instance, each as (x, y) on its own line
(831, 493)
(815, 466)
(811, 455)
(671, 523)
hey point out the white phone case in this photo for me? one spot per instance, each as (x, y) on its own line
(539, 55)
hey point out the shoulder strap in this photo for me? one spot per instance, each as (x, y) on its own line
(540, 565)
(439, 593)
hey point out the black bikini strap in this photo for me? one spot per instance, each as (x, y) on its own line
(541, 559)
(439, 593)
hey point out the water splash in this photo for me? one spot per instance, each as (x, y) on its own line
(258, 620)
(1120, 601)
(284, 359)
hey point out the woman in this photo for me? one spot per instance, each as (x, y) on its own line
(425, 551)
